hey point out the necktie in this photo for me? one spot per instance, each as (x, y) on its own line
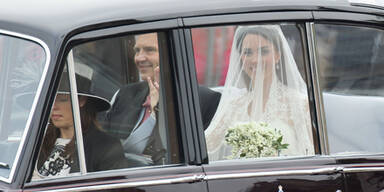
(147, 106)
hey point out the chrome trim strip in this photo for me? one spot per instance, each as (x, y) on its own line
(273, 173)
(310, 27)
(362, 169)
(187, 179)
(37, 96)
(100, 173)
(76, 112)
(197, 178)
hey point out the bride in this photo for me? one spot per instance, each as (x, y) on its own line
(263, 84)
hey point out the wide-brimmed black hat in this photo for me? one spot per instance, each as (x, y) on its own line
(84, 75)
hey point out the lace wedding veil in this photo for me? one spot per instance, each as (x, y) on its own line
(263, 84)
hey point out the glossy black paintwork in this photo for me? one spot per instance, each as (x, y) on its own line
(313, 183)
(364, 159)
(331, 181)
(185, 187)
(365, 181)
(338, 180)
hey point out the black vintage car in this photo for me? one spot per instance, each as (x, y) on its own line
(245, 95)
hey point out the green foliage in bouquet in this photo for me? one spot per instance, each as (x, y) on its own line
(250, 140)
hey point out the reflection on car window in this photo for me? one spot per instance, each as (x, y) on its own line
(58, 156)
(58, 153)
(134, 113)
(351, 74)
(121, 103)
(263, 110)
(136, 117)
(21, 68)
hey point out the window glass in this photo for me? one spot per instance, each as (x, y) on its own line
(58, 153)
(253, 77)
(126, 106)
(351, 75)
(21, 69)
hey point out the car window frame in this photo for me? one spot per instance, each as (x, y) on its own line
(360, 18)
(296, 17)
(28, 125)
(308, 18)
(367, 20)
(132, 29)
(170, 27)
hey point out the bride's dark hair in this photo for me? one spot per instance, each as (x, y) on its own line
(272, 37)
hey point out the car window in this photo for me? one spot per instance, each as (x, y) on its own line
(58, 155)
(22, 64)
(258, 73)
(351, 77)
(124, 103)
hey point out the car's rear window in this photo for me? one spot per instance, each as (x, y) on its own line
(21, 70)
(351, 76)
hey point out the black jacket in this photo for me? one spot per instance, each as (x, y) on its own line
(125, 112)
(102, 152)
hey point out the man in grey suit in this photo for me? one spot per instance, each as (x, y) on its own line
(133, 113)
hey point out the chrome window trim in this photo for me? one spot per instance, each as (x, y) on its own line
(313, 61)
(362, 169)
(76, 113)
(326, 170)
(114, 172)
(37, 96)
(184, 179)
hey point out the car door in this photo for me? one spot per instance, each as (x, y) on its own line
(219, 49)
(350, 75)
(164, 158)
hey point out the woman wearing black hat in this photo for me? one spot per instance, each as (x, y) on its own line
(58, 155)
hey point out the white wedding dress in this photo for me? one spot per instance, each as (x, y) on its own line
(282, 104)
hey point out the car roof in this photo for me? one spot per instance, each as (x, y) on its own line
(48, 20)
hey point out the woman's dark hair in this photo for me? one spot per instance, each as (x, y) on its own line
(88, 121)
(266, 33)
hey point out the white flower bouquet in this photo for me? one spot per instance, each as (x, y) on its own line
(250, 140)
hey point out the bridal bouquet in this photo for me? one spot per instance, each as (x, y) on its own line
(250, 140)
